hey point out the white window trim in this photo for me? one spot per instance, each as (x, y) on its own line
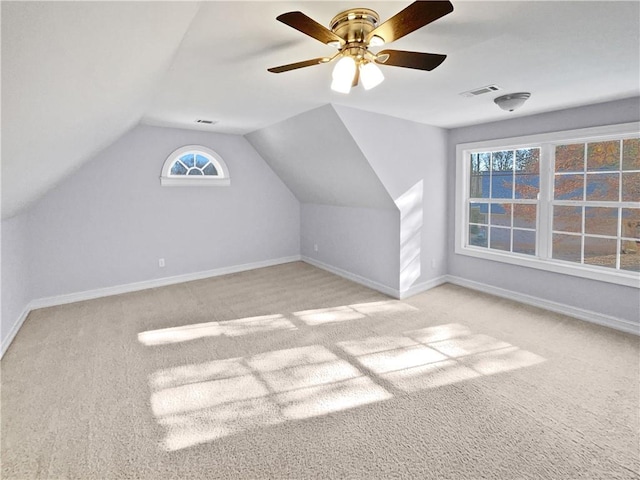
(463, 151)
(220, 180)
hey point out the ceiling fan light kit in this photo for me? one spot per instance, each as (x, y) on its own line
(371, 75)
(353, 31)
(513, 101)
(343, 74)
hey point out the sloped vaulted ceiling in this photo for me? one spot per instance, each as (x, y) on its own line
(76, 76)
(317, 158)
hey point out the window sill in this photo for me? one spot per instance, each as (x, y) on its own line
(629, 279)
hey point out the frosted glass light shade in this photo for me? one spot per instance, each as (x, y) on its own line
(512, 101)
(371, 75)
(343, 74)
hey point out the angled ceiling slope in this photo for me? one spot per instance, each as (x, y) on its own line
(317, 158)
(76, 76)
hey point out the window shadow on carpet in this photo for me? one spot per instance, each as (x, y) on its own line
(201, 402)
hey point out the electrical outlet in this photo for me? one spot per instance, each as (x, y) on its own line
(161, 262)
(315, 247)
(433, 263)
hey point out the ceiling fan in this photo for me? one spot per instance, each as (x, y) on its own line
(353, 31)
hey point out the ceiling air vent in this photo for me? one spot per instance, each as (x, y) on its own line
(480, 91)
(205, 122)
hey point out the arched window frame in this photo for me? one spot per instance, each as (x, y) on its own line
(220, 180)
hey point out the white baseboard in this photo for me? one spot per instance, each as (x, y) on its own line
(392, 292)
(423, 287)
(134, 287)
(582, 314)
(14, 330)
(158, 282)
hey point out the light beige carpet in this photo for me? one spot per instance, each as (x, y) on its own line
(291, 372)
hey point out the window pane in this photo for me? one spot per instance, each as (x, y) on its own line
(603, 155)
(600, 251)
(478, 235)
(479, 213)
(501, 214)
(631, 154)
(210, 170)
(630, 187)
(630, 255)
(601, 221)
(195, 171)
(631, 223)
(567, 219)
(479, 187)
(569, 187)
(527, 186)
(500, 238)
(502, 174)
(524, 216)
(187, 159)
(178, 169)
(524, 241)
(603, 186)
(502, 161)
(201, 161)
(480, 163)
(527, 160)
(526, 173)
(502, 185)
(570, 158)
(566, 247)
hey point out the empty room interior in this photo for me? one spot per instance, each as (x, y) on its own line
(317, 239)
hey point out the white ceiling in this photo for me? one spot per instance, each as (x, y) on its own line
(77, 75)
(564, 53)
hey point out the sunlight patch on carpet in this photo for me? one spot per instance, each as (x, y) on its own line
(328, 315)
(344, 313)
(200, 403)
(229, 328)
(203, 402)
(436, 356)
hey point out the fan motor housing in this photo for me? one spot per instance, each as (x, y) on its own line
(354, 25)
(353, 31)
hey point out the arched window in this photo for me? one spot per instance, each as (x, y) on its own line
(194, 165)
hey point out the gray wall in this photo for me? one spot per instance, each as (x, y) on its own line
(110, 222)
(363, 241)
(15, 288)
(605, 298)
(411, 160)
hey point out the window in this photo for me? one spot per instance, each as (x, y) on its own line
(567, 202)
(194, 165)
(503, 192)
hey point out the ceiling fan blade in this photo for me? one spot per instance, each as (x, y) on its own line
(417, 60)
(293, 66)
(415, 16)
(309, 26)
